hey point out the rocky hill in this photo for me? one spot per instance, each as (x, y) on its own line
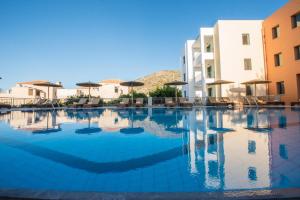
(157, 79)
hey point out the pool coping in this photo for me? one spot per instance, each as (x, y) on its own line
(130, 107)
(291, 193)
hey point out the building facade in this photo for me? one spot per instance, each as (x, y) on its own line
(109, 89)
(28, 90)
(232, 50)
(282, 51)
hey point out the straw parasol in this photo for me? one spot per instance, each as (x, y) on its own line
(176, 83)
(256, 82)
(48, 85)
(132, 84)
(88, 85)
(220, 82)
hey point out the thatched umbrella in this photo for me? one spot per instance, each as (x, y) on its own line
(132, 84)
(220, 82)
(48, 85)
(256, 82)
(176, 83)
(88, 85)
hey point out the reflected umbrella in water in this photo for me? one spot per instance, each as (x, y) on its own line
(176, 129)
(131, 129)
(166, 117)
(216, 124)
(48, 130)
(256, 127)
(89, 129)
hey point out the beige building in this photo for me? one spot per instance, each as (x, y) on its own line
(109, 89)
(29, 90)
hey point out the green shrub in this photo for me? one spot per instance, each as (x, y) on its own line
(165, 91)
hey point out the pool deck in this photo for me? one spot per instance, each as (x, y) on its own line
(293, 193)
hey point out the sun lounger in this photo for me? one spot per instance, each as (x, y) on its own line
(80, 103)
(6, 106)
(94, 102)
(35, 103)
(213, 101)
(49, 104)
(295, 103)
(169, 102)
(227, 101)
(124, 102)
(139, 102)
(264, 101)
(249, 100)
(184, 102)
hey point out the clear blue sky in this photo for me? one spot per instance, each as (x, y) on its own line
(81, 40)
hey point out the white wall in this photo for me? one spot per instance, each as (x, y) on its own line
(188, 69)
(232, 52)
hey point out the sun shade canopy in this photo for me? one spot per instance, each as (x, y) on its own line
(88, 84)
(176, 83)
(132, 83)
(257, 81)
(47, 84)
(220, 82)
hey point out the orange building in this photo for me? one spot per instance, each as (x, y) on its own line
(282, 51)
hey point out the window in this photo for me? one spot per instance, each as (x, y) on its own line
(280, 87)
(275, 32)
(251, 147)
(283, 151)
(297, 52)
(116, 89)
(296, 20)
(30, 92)
(282, 122)
(246, 39)
(247, 64)
(184, 93)
(210, 72)
(208, 48)
(37, 93)
(210, 91)
(213, 168)
(278, 59)
(183, 59)
(184, 78)
(252, 174)
(248, 90)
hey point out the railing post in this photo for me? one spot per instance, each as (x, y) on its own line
(149, 101)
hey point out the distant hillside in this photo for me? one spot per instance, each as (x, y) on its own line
(157, 79)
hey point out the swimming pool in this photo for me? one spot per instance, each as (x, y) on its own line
(150, 150)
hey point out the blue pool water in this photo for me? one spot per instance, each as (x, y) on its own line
(150, 150)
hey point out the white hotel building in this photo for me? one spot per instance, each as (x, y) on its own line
(232, 50)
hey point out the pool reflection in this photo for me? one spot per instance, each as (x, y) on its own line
(224, 149)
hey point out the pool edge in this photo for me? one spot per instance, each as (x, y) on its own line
(290, 193)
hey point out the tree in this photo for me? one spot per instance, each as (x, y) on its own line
(135, 95)
(165, 91)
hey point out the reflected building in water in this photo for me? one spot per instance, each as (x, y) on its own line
(226, 152)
